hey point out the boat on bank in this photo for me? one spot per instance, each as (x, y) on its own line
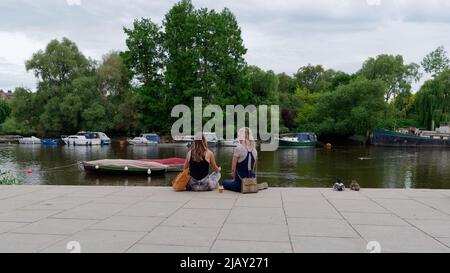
(412, 137)
(126, 166)
(145, 140)
(29, 140)
(299, 140)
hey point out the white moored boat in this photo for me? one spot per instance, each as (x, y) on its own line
(212, 139)
(92, 137)
(184, 140)
(145, 140)
(76, 140)
(104, 139)
(30, 140)
(229, 142)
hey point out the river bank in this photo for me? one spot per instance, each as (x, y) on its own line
(156, 219)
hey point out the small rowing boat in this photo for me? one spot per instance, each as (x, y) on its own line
(143, 166)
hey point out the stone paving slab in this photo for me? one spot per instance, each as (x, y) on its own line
(328, 245)
(279, 220)
(98, 241)
(228, 246)
(146, 248)
(401, 239)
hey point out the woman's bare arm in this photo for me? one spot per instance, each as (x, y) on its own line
(233, 165)
(188, 158)
(213, 163)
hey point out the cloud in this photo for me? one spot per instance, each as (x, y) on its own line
(73, 2)
(373, 2)
(280, 35)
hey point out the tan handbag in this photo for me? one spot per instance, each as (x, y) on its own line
(180, 182)
(249, 185)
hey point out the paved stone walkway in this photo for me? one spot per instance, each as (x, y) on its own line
(151, 219)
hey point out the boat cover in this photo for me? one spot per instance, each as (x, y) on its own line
(169, 164)
(167, 161)
(130, 164)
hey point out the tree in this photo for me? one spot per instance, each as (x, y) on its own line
(309, 76)
(180, 30)
(94, 118)
(392, 70)
(23, 110)
(354, 108)
(60, 63)
(5, 111)
(433, 100)
(128, 116)
(113, 76)
(436, 62)
(262, 85)
(145, 54)
(204, 55)
(287, 99)
(221, 52)
(286, 84)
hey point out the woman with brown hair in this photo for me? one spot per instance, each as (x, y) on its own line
(199, 161)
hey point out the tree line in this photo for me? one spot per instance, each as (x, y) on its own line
(200, 52)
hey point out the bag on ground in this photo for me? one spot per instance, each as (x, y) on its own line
(180, 182)
(249, 185)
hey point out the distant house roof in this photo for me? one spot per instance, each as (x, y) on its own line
(6, 95)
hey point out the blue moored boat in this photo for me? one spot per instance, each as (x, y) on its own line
(51, 142)
(299, 140)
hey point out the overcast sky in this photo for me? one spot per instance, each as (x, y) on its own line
(281, 35)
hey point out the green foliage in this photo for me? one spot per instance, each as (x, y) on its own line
(205, 56)
(286, 84)
(23, 115)
(113, 77)
(60, 63)
(6, 178)
(392, 70)
(353, 108)
(263, 86)
(71, 95)
(5, 111)
(197, 52)
(12, 126)
(310, 77)
(145, 55)
(436, 61)
(433, 100)
(145, 59)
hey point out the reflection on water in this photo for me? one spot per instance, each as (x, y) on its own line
(373, 167)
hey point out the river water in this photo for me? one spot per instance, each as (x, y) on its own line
(372, 167)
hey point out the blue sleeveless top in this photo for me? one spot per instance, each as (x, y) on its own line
(246, 168)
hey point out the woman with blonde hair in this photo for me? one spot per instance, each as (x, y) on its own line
(198, 161)
(243, 164)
